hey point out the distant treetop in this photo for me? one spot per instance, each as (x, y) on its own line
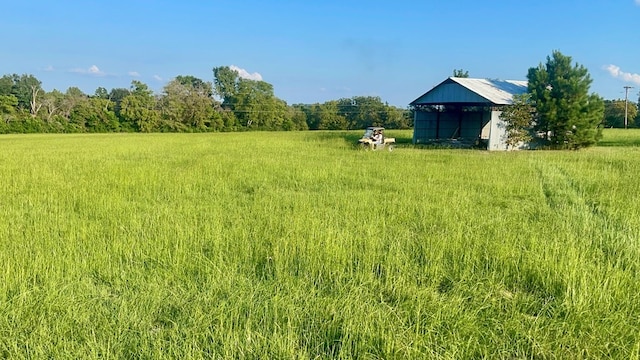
(460, 73)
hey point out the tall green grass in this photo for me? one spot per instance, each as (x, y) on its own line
(297, 246)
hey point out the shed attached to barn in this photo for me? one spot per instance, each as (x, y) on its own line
(465, 112)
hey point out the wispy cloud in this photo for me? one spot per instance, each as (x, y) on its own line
(617, 73)
(93, 70)
(245, 74)
(637, 2)
(157, 78)
(134, 74)
(49, 68)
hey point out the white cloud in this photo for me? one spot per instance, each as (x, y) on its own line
(92, 70)
(617, 73)
(246, 75)
(134, 74)
(49, 68)
(157, 78)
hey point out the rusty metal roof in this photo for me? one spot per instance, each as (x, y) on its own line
(457, 90)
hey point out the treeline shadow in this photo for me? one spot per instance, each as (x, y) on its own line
(626, 142)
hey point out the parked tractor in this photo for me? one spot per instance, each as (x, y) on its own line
(374, 139)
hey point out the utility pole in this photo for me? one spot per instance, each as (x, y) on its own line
(626, 93)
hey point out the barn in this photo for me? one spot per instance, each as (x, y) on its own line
(464, 112)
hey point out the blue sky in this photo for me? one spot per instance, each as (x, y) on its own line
(313, 51)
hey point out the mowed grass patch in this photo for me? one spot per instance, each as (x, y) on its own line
(297, 245)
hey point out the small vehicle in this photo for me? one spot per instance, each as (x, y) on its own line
(374, 139)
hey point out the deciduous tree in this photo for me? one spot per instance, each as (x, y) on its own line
(188, 104)
(614, 111)
(519, 118)
(26, 88)
(8, 104)
(139, 108)
(252, 101)
(95, 115)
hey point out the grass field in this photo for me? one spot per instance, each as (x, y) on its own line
(299, 246)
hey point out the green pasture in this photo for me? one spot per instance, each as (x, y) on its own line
(300, 246)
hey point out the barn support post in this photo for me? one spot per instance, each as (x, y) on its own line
(415, 121)
(437, 123)
(460, 121)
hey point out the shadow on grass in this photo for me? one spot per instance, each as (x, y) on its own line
(404, 139)
(619, 142)
(351, 137)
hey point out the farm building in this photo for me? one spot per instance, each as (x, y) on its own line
(465, 112)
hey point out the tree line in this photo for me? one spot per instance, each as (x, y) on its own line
(186, 104)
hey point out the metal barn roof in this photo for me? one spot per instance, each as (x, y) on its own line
(472, 91)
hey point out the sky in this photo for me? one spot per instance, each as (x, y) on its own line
(313, 51)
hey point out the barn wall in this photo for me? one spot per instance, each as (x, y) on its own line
(451, 124)
(498, 137)
(424, 126)
(450, 92)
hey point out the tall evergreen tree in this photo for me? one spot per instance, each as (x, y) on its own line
(566, 113)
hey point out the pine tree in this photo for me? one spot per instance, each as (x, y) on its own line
(567, 114)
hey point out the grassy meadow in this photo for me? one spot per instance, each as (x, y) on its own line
(299, 246)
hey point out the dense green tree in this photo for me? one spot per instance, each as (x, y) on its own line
(257, 107)
(6, 85)
(614, 111)
(327, 116)
(188, 104)
(139, 108)
(26, 88)
(362, 111)
(296, 119)
(226, 84)
(94, 115)
(101, 93)
(396, 118)
(203, 88)
(253, 102)
(8, 104)
(72, 97)
(116, 95)
(566, 112)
